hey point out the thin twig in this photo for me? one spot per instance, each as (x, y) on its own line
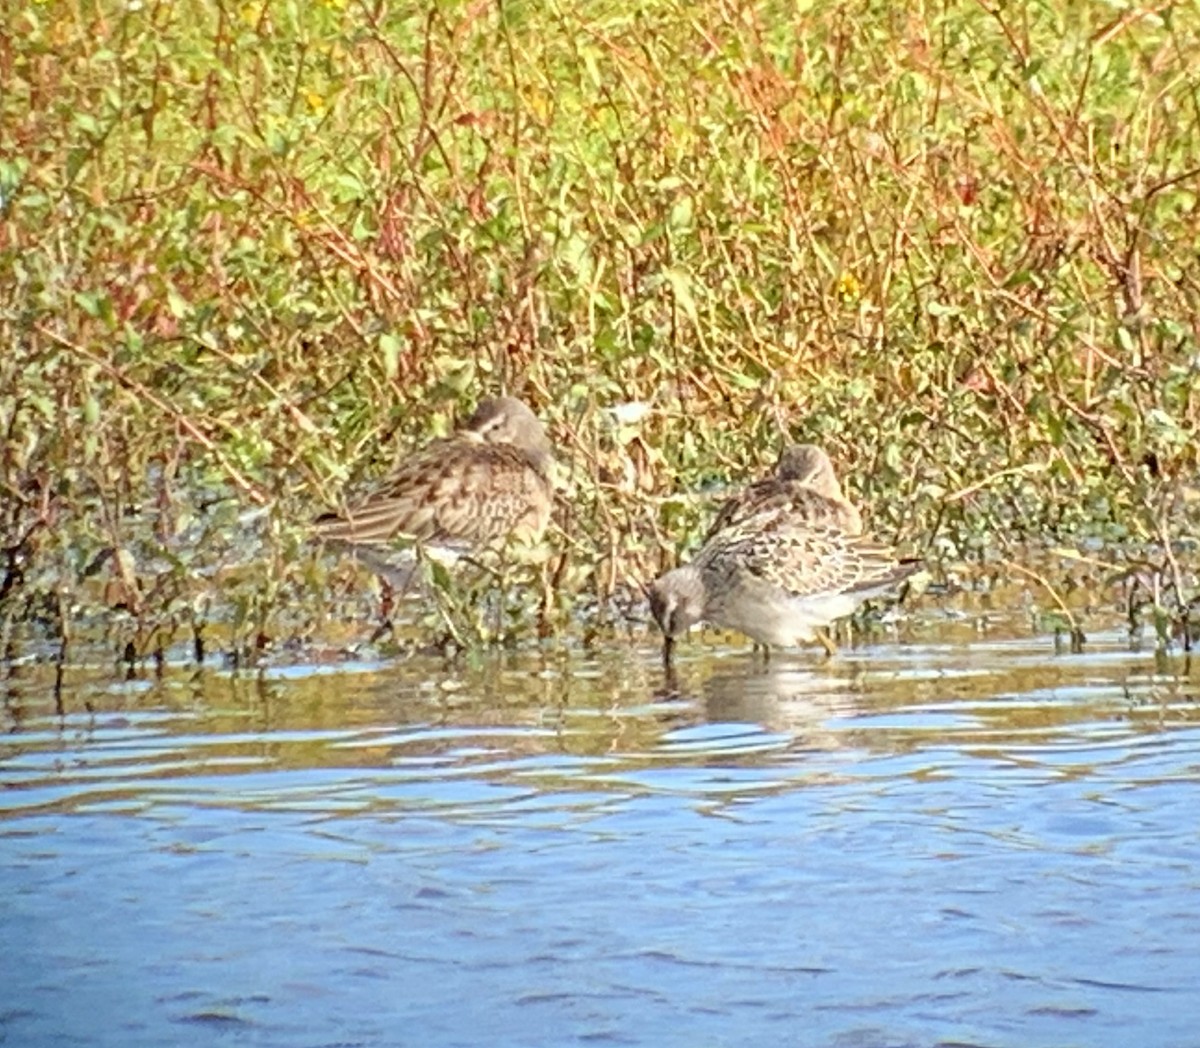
(1009, 471)
(239, 480)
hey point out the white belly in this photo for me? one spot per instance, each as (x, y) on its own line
(771, 617)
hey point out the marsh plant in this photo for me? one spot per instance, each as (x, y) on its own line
(250, 253)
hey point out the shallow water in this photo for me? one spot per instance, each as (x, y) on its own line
(946, 842)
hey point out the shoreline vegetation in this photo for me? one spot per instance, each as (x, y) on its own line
(251, 254)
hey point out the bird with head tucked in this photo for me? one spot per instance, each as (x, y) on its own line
(488, 483)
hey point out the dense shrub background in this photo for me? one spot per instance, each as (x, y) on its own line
(252, 252)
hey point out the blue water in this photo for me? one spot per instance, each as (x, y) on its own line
(951, 844)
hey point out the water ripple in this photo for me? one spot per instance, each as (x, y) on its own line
(928, 844)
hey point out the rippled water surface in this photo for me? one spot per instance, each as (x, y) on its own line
(969, 842)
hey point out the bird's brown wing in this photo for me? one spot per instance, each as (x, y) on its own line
(789, 499)
(456, 491)
(801, 557)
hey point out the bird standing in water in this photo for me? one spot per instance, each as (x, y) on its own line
(782, 560)
(487, 484)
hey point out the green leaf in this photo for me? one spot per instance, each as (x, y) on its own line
(681, 288)
(941, 309)
(389, 347)
(179, 306)
(96, 304)
(682, 213)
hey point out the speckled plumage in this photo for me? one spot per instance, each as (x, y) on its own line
(784, 558)
(487, 483)
(804, 484)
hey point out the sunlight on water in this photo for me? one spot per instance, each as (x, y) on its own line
(910, 844)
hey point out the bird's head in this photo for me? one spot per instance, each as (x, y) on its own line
(808, 464)
(507, 420)
(677, 603)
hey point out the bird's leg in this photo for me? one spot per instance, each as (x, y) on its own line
(384, 629)
(387, 600)
(827, 642)
(761, 649)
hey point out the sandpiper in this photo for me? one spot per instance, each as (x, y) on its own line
(488, 483)
(804, 479)
(783, 559)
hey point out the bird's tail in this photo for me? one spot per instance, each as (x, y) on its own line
(881, 584)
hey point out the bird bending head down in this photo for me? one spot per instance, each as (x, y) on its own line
(677, 602)
(783, 559)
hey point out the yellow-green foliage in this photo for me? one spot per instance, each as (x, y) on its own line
(248, 250)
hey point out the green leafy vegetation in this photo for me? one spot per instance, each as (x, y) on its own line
(250, 253)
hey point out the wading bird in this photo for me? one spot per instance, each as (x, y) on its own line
(783, 559)
(486, 485)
